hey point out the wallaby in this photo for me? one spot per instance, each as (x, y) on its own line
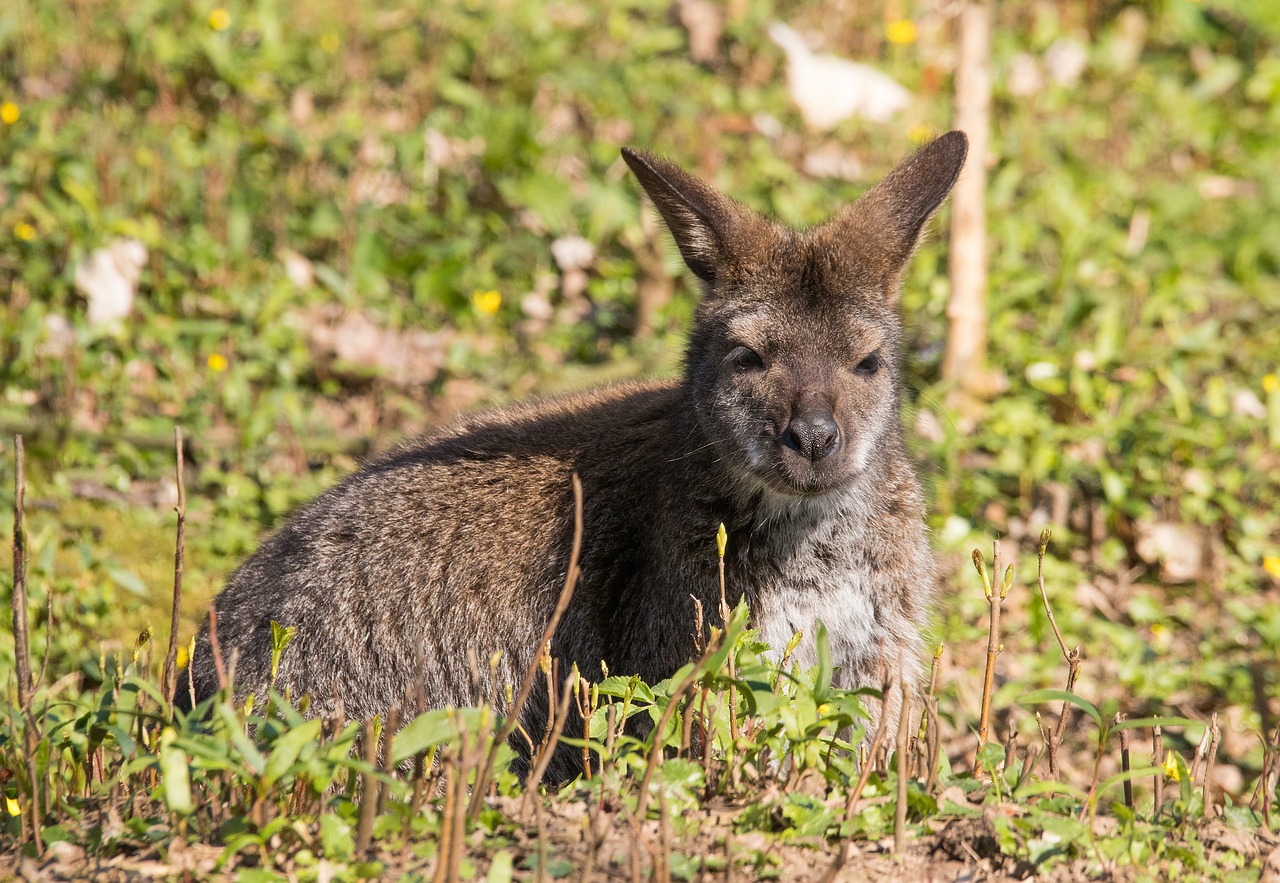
(785, 427)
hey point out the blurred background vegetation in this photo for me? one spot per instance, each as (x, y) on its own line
(343, 222)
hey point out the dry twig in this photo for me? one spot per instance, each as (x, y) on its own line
(526, 686)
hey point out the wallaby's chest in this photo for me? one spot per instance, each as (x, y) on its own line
(800, 574)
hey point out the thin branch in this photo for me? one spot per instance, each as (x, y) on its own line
(549, 749)
(526, 686)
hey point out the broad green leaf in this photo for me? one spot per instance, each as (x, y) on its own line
(822, 680)
(425, 731)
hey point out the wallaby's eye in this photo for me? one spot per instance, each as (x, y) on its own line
(869, 366)
(744, 358)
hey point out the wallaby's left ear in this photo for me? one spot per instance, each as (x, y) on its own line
(893, 213)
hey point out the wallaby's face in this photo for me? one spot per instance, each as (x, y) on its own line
(793, 359)
(793, 368)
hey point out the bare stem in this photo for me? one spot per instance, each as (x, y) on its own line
(996, 589)
(18, 603)
(170, 677)
(876, 742)
(368, 790)
(733, 691)
(642, 799)
(1124, 762)
(900, 809)
(1157, 757)
(1215, 735)
(21, 640)
(549, 749)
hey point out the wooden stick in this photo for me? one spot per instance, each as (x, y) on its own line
(964, 363)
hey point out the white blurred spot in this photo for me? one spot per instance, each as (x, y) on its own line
(108, 279)
(828, 89)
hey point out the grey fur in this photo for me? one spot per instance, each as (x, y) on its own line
(456, 544)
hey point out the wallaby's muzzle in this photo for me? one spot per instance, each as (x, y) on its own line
(813, 434)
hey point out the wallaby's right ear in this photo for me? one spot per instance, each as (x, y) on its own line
(700, 218)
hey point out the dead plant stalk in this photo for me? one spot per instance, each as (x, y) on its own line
(169, 683)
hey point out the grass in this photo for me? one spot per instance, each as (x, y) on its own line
(748, 767)
(297, 172)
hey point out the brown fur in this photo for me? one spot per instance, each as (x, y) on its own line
(785, 427)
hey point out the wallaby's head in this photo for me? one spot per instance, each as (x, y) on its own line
(793, 359)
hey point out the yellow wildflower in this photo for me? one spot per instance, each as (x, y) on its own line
(1271, 564)
(12, 807)
(24, 231)
(9, 113)
(1170, 766)
(920, 133)
(217, 362)
(903, 32)
(1271, 383)
(486, 302)
(219, 19)
(329, 42)
(183, 657)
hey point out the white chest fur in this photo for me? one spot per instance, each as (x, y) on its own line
(844, 609)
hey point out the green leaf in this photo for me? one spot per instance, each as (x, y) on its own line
(175, 775)
(1035, 697)
(822, 681)
(501, 867)
(425, 731)
(1128, 776)
(335, 837)
(127, 580)
(249, 752)
(287, 748)
(990, 756)
(281, 636)
(1034, 789)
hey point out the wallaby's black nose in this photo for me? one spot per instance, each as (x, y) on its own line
(813, 434)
